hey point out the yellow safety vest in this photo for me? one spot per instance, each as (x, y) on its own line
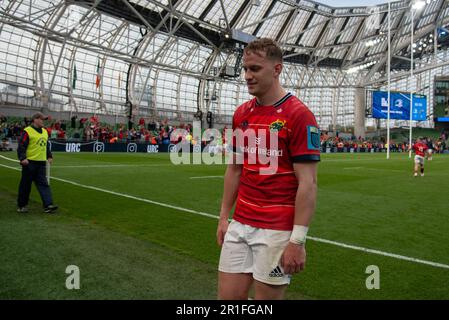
(37, 147)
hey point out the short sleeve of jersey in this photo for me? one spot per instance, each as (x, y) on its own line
(304, 141)
(236, 120)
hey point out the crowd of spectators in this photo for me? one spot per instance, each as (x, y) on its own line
(152, 132)
(340, 144)
(91, 129)
(155, 132)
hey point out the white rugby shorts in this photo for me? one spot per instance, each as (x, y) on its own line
(419, 160)
(247, 249)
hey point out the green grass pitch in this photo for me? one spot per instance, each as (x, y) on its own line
(141, 246)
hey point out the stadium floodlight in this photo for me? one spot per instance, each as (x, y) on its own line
(361, 67)
(418, 5)
(371, 43)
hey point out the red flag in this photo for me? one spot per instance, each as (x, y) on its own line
(98, 78)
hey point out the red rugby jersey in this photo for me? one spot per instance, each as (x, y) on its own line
(420, 148)
(268, 201)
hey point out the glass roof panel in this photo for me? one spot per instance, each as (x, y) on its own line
(37, 12)
(351, 3)
(350, 30)
(271, 27)
(216, 13)
(310, 37)
(193, 8)
(151, 5)
(254, 14)
(295, 27)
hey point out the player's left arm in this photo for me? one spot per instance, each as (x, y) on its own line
(49, 154)
(294, 257)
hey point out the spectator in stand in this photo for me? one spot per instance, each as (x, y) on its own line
(61, 135)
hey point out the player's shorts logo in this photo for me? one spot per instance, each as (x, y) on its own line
(132, 147)
(276, 272)
(277, 125)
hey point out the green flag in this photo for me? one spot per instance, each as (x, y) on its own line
(74, 77)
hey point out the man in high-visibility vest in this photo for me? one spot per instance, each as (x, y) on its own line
(33, 152)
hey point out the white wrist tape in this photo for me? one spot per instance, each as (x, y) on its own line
(299, 234)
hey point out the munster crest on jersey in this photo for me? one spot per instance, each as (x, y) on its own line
(277, 125)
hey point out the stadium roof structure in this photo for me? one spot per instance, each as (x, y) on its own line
(61, 48)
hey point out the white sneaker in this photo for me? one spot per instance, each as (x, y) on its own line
(415, 175)
(422, 174)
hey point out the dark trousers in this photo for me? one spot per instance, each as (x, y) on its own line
(34, 171)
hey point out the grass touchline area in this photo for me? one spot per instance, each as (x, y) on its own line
(209, 215)
(378, 205)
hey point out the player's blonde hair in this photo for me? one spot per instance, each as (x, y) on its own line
(268, 46)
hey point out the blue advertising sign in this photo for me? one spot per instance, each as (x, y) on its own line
(400, 106)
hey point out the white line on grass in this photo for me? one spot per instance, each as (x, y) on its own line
(9, 159)
(382, 253)
(124, 195)
(113, 165)
(206, 177)
(325, 159)
(372, 169)
(100, 165)
(338, 244)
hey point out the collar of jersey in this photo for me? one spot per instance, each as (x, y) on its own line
(277, 104)
(39, 130)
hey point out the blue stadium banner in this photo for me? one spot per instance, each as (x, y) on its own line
(400, 106)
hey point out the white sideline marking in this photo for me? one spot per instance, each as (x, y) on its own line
(372, 169)
(124, 195)
(113, 166)
(9, 159)
(338, 244)
(206, 177)
(382, 253)
(360, 159)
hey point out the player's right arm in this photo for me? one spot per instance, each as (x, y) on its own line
(24, 140)
(230, 191)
